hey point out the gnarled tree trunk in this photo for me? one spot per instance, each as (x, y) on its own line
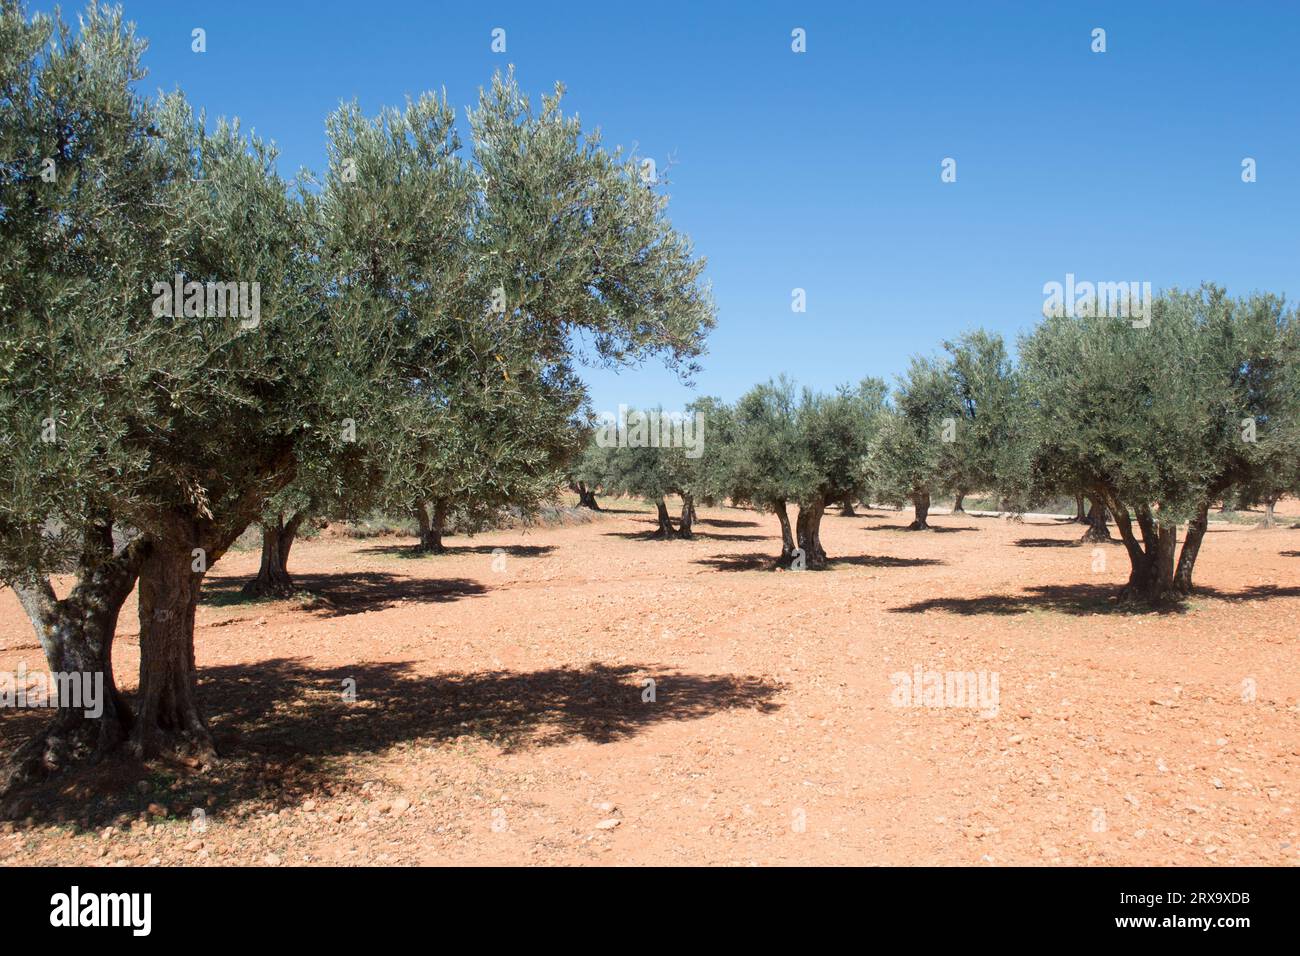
(665, 529)
(1191, 548)
(586, 496)
(958, 499)
(688, 517)
(432, 518)
(808, 534)
(273, 577)
(1097, 529)
(167, 705)
(921, 502)
(846, 507)
(1151, 561)
(76, 634)
(787, 535)
(1269, 521)
(1079, 515)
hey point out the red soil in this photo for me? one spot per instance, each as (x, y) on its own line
(500, 716)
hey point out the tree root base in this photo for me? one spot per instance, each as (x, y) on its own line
(59, 748)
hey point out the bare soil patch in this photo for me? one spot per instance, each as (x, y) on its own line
(499, 713)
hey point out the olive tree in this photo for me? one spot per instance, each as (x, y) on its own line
(1159, 419)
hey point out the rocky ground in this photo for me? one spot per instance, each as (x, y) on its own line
(502, 712)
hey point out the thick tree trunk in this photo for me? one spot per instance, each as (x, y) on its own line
(688, 517)
(1161, 588)
(1191, 548)
(168, 711)
(1137, 558)
(846, 507)
(921, 502)
(76, 634)
(273, 578)
(1079, 515)
(1269, 521)
(586, 496)
(1096, 517)
(808, 534)
(432, 519)
(665, 529)
(787, 535)
(957, 502)
(1151, 562)
(181, 547)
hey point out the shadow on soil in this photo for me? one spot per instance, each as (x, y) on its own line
(352, 592)
(696, 533)
(409, 551)
(1081, 599)
(1059, 542)
(652, 526)
(284, 730)
(762, 561)
(937, 529)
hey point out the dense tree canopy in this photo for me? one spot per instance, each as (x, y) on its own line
(1158, 422)
(188, 336)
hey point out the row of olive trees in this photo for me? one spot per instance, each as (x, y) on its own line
(1152, 424)
(417, 313)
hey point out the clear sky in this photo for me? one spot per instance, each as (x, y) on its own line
(821, 170)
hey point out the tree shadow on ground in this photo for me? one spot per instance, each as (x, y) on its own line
(940, 529)
(344, 593)
(761, 561)
(410, 550)
(1080, 599)
(883, 561)
(1048, 543)
(1290, 554)
(753, 561)
(285, 730)
(696, 533)
(725, 523)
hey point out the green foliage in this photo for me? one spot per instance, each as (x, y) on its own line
(1159, 416)
(767, 459)
(412, 319)
(908, 456)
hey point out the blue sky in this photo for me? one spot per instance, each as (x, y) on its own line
(821, 170)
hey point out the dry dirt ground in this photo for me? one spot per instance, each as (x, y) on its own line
(501, 713)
